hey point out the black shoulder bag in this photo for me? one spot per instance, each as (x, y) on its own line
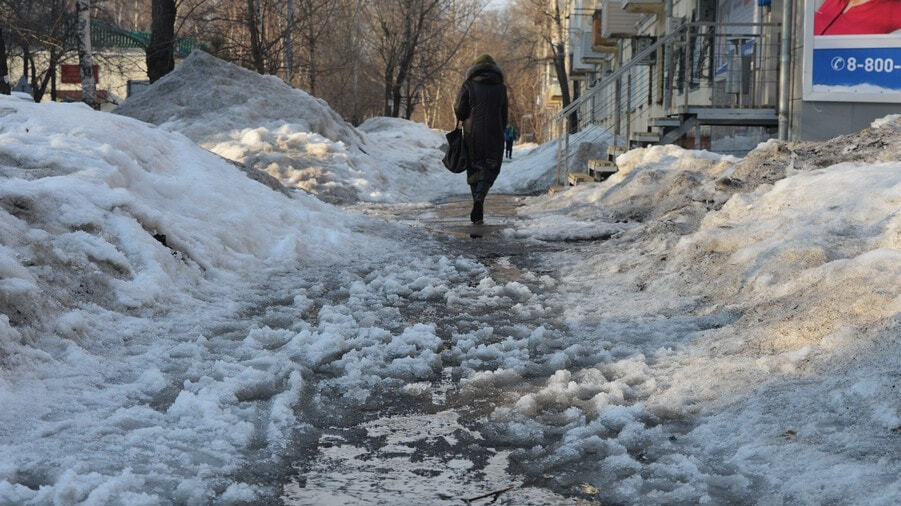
(457, 158)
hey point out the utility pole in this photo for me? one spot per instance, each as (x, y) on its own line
(785, 69)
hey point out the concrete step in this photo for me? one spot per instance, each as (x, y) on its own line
(666, 122)
(601, 166)
(614, 151)
(645, 137)
(575, 178)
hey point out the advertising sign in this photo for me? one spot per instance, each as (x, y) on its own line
(852, 50)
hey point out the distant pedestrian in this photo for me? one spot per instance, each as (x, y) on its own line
(510, 136)
(482, 107)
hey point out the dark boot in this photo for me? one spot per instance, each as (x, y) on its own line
(477, 209)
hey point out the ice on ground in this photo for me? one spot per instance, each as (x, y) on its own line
(261, 122)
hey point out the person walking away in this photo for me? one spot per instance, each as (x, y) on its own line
(482, 107)
(510, 136)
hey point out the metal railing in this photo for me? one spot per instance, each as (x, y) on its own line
(713, 65)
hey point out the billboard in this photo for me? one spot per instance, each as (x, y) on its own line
(852, 50)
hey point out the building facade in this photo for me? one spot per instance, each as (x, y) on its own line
(707, 73)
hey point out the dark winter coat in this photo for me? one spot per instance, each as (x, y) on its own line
(482, 107)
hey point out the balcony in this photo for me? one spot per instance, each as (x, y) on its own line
(601, 45)
(590, 53)
(616, 22)
(643, 6)
(553, 95)
(579, 41)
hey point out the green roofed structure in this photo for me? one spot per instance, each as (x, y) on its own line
(109, 36)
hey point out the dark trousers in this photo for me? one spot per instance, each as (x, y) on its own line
(509, 149)
(480, 190)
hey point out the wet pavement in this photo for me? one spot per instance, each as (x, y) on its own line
(422, 445)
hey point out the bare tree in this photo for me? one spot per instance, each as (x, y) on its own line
(128, 14)
(550, 27)
(38, 29)
(85, 57)
(161, 50)
(402, 31)
(316, 17)
(289, 41)
(444, 37)
(256, 34)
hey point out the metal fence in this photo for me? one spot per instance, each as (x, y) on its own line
(721, 67)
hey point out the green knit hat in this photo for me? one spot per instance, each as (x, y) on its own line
(485, 58)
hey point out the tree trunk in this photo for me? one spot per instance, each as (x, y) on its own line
(389, 79)
(256, 44)
(85, 58)
(39, 85)
(311, 69)
(355, 78)
(558, 48)
(161, 50)
(289, 41)
(560, 68)
(5, 85)
(53, 94)
(396, 97)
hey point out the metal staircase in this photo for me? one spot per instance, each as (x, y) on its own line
(721, 75)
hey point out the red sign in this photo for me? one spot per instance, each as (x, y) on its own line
(69, 74)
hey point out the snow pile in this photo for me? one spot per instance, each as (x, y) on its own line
(135, 213)
(121, 245)
(666, 182)
(725, 344)
(408, 157)
(261, 122)
(210, 101)
(774, 160)
(535, 170)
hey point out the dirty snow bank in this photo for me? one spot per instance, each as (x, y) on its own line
(744, 331)
(262, 122)
(79, 200)
(666, 183)
(134, 367)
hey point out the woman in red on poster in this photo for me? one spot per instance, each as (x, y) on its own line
(857, 17)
